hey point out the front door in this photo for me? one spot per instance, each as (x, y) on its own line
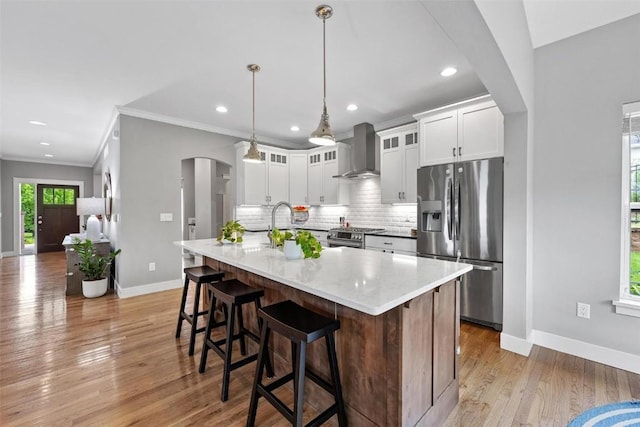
(56, 215)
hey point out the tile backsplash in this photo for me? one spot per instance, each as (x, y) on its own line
(364, 210)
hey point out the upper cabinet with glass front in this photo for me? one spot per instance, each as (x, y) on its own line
(262, 183)
(399, 164)
(323, 164)
(298, 191)
(468, 130)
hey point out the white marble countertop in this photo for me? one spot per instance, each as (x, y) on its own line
(368, 281)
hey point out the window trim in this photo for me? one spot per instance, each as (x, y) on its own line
(626, 303)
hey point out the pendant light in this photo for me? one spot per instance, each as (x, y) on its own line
(253, 154)
(323, 135)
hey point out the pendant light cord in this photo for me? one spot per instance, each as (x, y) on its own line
(253, 130)
(324, 64)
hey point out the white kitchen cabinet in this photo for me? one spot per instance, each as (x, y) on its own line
(262, 183)
(480, 132)
(315, 182)
(323, 164)
(251, 188)
(399, 164)
(438, 135)
(298, 178)
(321, 237)
(394, 245)
(464, 131)
(277, 177)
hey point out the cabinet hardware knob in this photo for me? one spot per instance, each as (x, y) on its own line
(459, 151)
(454, 151)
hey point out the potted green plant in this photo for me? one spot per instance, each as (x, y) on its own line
(303, 243)
(310, 246)
(94, 267)
(231, 232)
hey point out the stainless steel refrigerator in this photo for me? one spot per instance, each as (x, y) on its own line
(460, 217)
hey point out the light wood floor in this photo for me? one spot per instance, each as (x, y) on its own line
(112, 362)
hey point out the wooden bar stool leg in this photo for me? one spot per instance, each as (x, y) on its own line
(298, 382)
(227, 353)
(257, 380)
(243, 345)
(194, 323)
(182, 305)
(293, 356)
(210, 322)
(225, 311)
(335, 377)
(269, 365)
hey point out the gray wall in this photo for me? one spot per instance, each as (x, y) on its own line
(580, 86)
(12, 169)
(1, 205)
(512, 86)
(151, 155)
(205, 172)
(109, 161)
(188, 194)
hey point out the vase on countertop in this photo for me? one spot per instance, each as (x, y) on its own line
(292, 250)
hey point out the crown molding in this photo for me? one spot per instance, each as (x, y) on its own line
(393, 123)
(48, 161)
(142, 114)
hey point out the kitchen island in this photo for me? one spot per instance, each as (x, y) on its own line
(399, 324)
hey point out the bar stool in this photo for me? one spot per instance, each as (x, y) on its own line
(302, 327)
(233, 294)
(198, 275)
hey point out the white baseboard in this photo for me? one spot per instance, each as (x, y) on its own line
(148, 289)
(9, 253)
(617, 359)
(515, 344)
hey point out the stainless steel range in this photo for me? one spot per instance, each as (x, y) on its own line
(352, 237)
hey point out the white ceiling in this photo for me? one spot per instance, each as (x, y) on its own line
(70, 63)
(553, 20)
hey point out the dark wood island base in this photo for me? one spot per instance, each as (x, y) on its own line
(397, 369)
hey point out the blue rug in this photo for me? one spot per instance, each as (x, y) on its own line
(625, 414)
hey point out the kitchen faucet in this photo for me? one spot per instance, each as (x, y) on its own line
(273, 220)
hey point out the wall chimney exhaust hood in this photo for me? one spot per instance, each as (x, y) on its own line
(363, 153)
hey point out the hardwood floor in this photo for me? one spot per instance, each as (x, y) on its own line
(109, 361)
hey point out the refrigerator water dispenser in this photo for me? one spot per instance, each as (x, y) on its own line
(431, 215)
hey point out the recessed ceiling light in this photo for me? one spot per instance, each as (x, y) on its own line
(48, 155)
(352, 107)
(221, 109)
(37, 123)
(447, 72)
(295, 128)
(45, 143)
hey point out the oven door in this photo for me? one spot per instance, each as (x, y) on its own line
(337, 242)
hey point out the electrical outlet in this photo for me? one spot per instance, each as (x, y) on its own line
(584, 310)
(152, 266)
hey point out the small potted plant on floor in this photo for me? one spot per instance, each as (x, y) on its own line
(94, 267)
(231, 232)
